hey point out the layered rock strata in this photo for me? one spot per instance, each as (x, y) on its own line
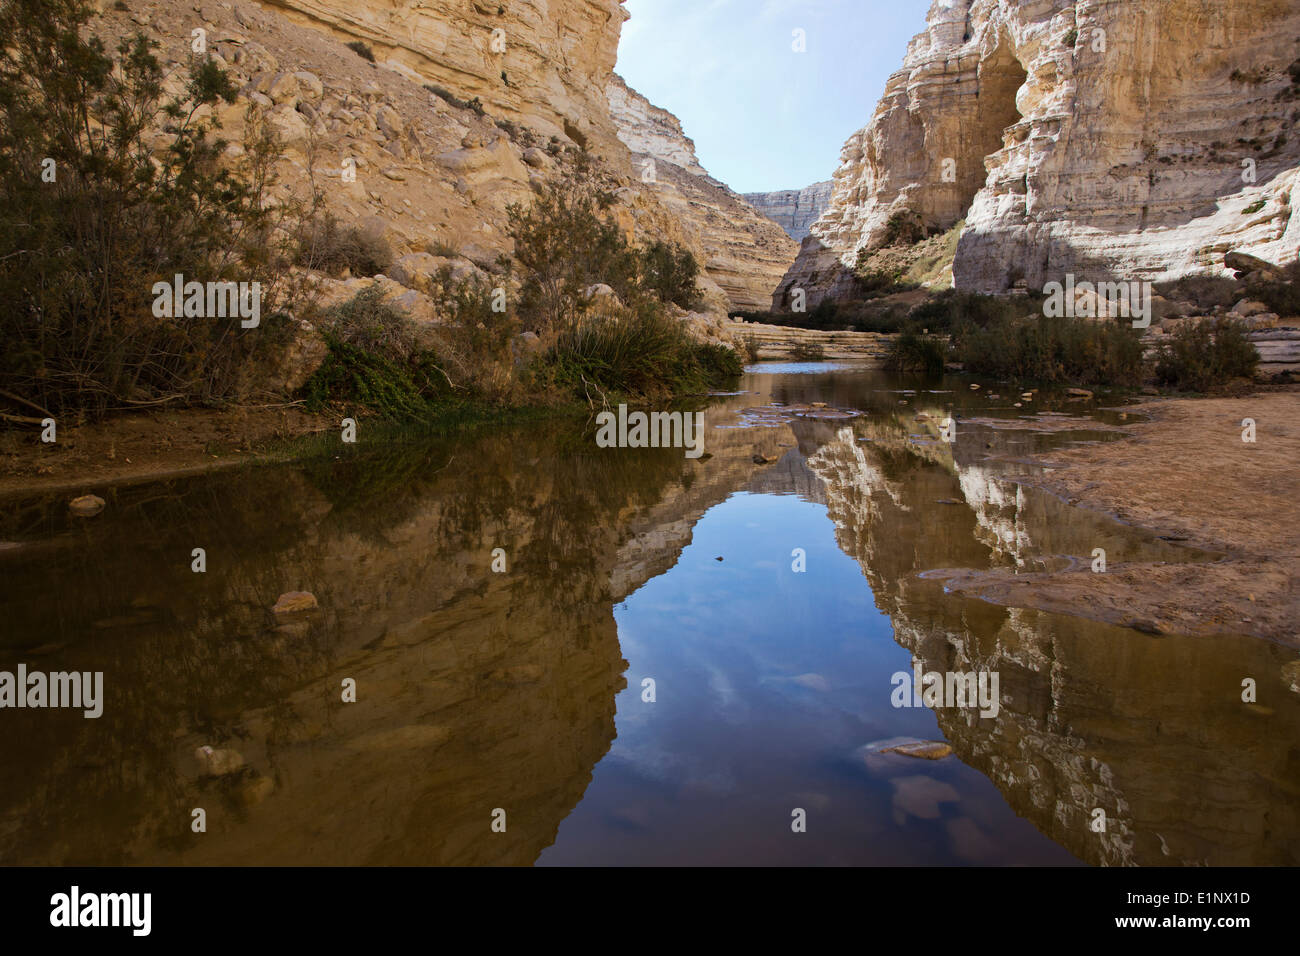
(1136, 140)
(744, 252)
(794, 210)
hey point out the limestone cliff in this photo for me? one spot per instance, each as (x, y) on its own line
(1138, 139)
(743, 251)
(422, 123)
(794, 210)
(541, 63)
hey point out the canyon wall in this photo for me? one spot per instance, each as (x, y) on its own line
(448, 112)
(540, 62)
(549, 67)
(1136, 139)
(794, 210)
(744, 252)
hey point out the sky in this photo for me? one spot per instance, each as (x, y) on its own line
(763, 116)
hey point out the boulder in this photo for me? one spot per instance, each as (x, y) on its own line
(1244, 264)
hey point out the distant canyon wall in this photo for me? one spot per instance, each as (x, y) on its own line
(745, 252)
(794, 210)
(1139, 139)
(550, 67)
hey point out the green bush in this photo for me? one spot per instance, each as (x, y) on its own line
(79, 255)
(1057, 350)
(904, 228)
(1206, 354)
(951, 308)
(475, 105)
(566, 242)
(377, 360)
(808, 352)
(352, 375)
(670, 272)
(1280, 295)
(370, 324)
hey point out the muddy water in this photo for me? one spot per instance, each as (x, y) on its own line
(770, 605)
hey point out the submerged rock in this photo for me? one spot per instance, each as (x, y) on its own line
(86, 506)
(921, 749)
(219, 762)
(295, 602)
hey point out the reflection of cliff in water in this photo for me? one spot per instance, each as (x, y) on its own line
(475, 690)
(1150, 730)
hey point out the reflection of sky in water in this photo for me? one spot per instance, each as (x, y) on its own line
(768, 682)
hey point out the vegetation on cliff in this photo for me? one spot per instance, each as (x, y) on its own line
(577, 312)
(98, 202)
(115, 181)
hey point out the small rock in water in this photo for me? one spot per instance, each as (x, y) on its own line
(973, 387)
(254, 790)
(293, 602)
(1078, 392)
(921, 749)
(764, 459)
(86, 506)
(817, 404)
(1291, 674)
(1027, 396)
(219, 762)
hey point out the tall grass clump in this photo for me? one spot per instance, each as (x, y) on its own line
(645, 354)
(913, 351)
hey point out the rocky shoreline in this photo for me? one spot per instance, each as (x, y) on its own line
(1186, 474)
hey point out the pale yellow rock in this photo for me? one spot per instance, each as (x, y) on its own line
(1076, 138)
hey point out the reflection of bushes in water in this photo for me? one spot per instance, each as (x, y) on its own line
(554, 474)
(239, 516)
(163, 680)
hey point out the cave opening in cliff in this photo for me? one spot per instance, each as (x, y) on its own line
(1000, 78)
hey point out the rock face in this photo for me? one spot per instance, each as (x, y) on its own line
(1134, 139)
(646, 129)
(465, 109)
(794, 210)
(743, 252)
(532, 61)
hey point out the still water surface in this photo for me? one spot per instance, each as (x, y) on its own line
(525, 690)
